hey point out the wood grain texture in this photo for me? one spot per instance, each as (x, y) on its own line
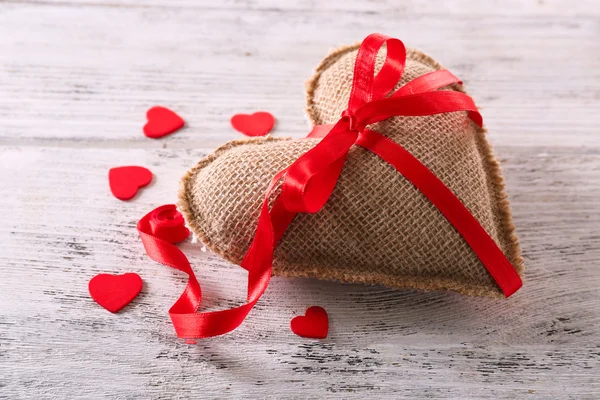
(90, 73)
(75, 81)
(65, 227)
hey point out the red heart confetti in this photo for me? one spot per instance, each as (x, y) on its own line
(258, 124)
(314, 324)
(114, 292)
(161, 122)
(125, 181)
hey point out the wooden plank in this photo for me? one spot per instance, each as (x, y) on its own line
(464, 8)
(141, 366)
(62, 226)
(73, 76)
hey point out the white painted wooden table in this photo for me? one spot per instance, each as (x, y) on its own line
(76, 78)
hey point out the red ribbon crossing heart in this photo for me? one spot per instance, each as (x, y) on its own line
(309, 181)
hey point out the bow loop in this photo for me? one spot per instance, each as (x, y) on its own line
(312, 177)
(366, 86)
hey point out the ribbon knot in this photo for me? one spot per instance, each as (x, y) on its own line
(351, 118)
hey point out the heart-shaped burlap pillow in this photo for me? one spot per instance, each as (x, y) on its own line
(376, 227)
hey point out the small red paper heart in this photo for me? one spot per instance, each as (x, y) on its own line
(314, 324)
(161, 122)
(114, 292)
(125, 181)
(257, 124)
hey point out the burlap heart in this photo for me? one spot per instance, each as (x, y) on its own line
(376, 228)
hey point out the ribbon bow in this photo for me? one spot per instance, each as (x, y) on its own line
(311, 179)
(308, 183)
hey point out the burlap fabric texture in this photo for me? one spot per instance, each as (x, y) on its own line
(376, 228)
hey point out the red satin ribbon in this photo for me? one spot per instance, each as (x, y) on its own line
(309, 181)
